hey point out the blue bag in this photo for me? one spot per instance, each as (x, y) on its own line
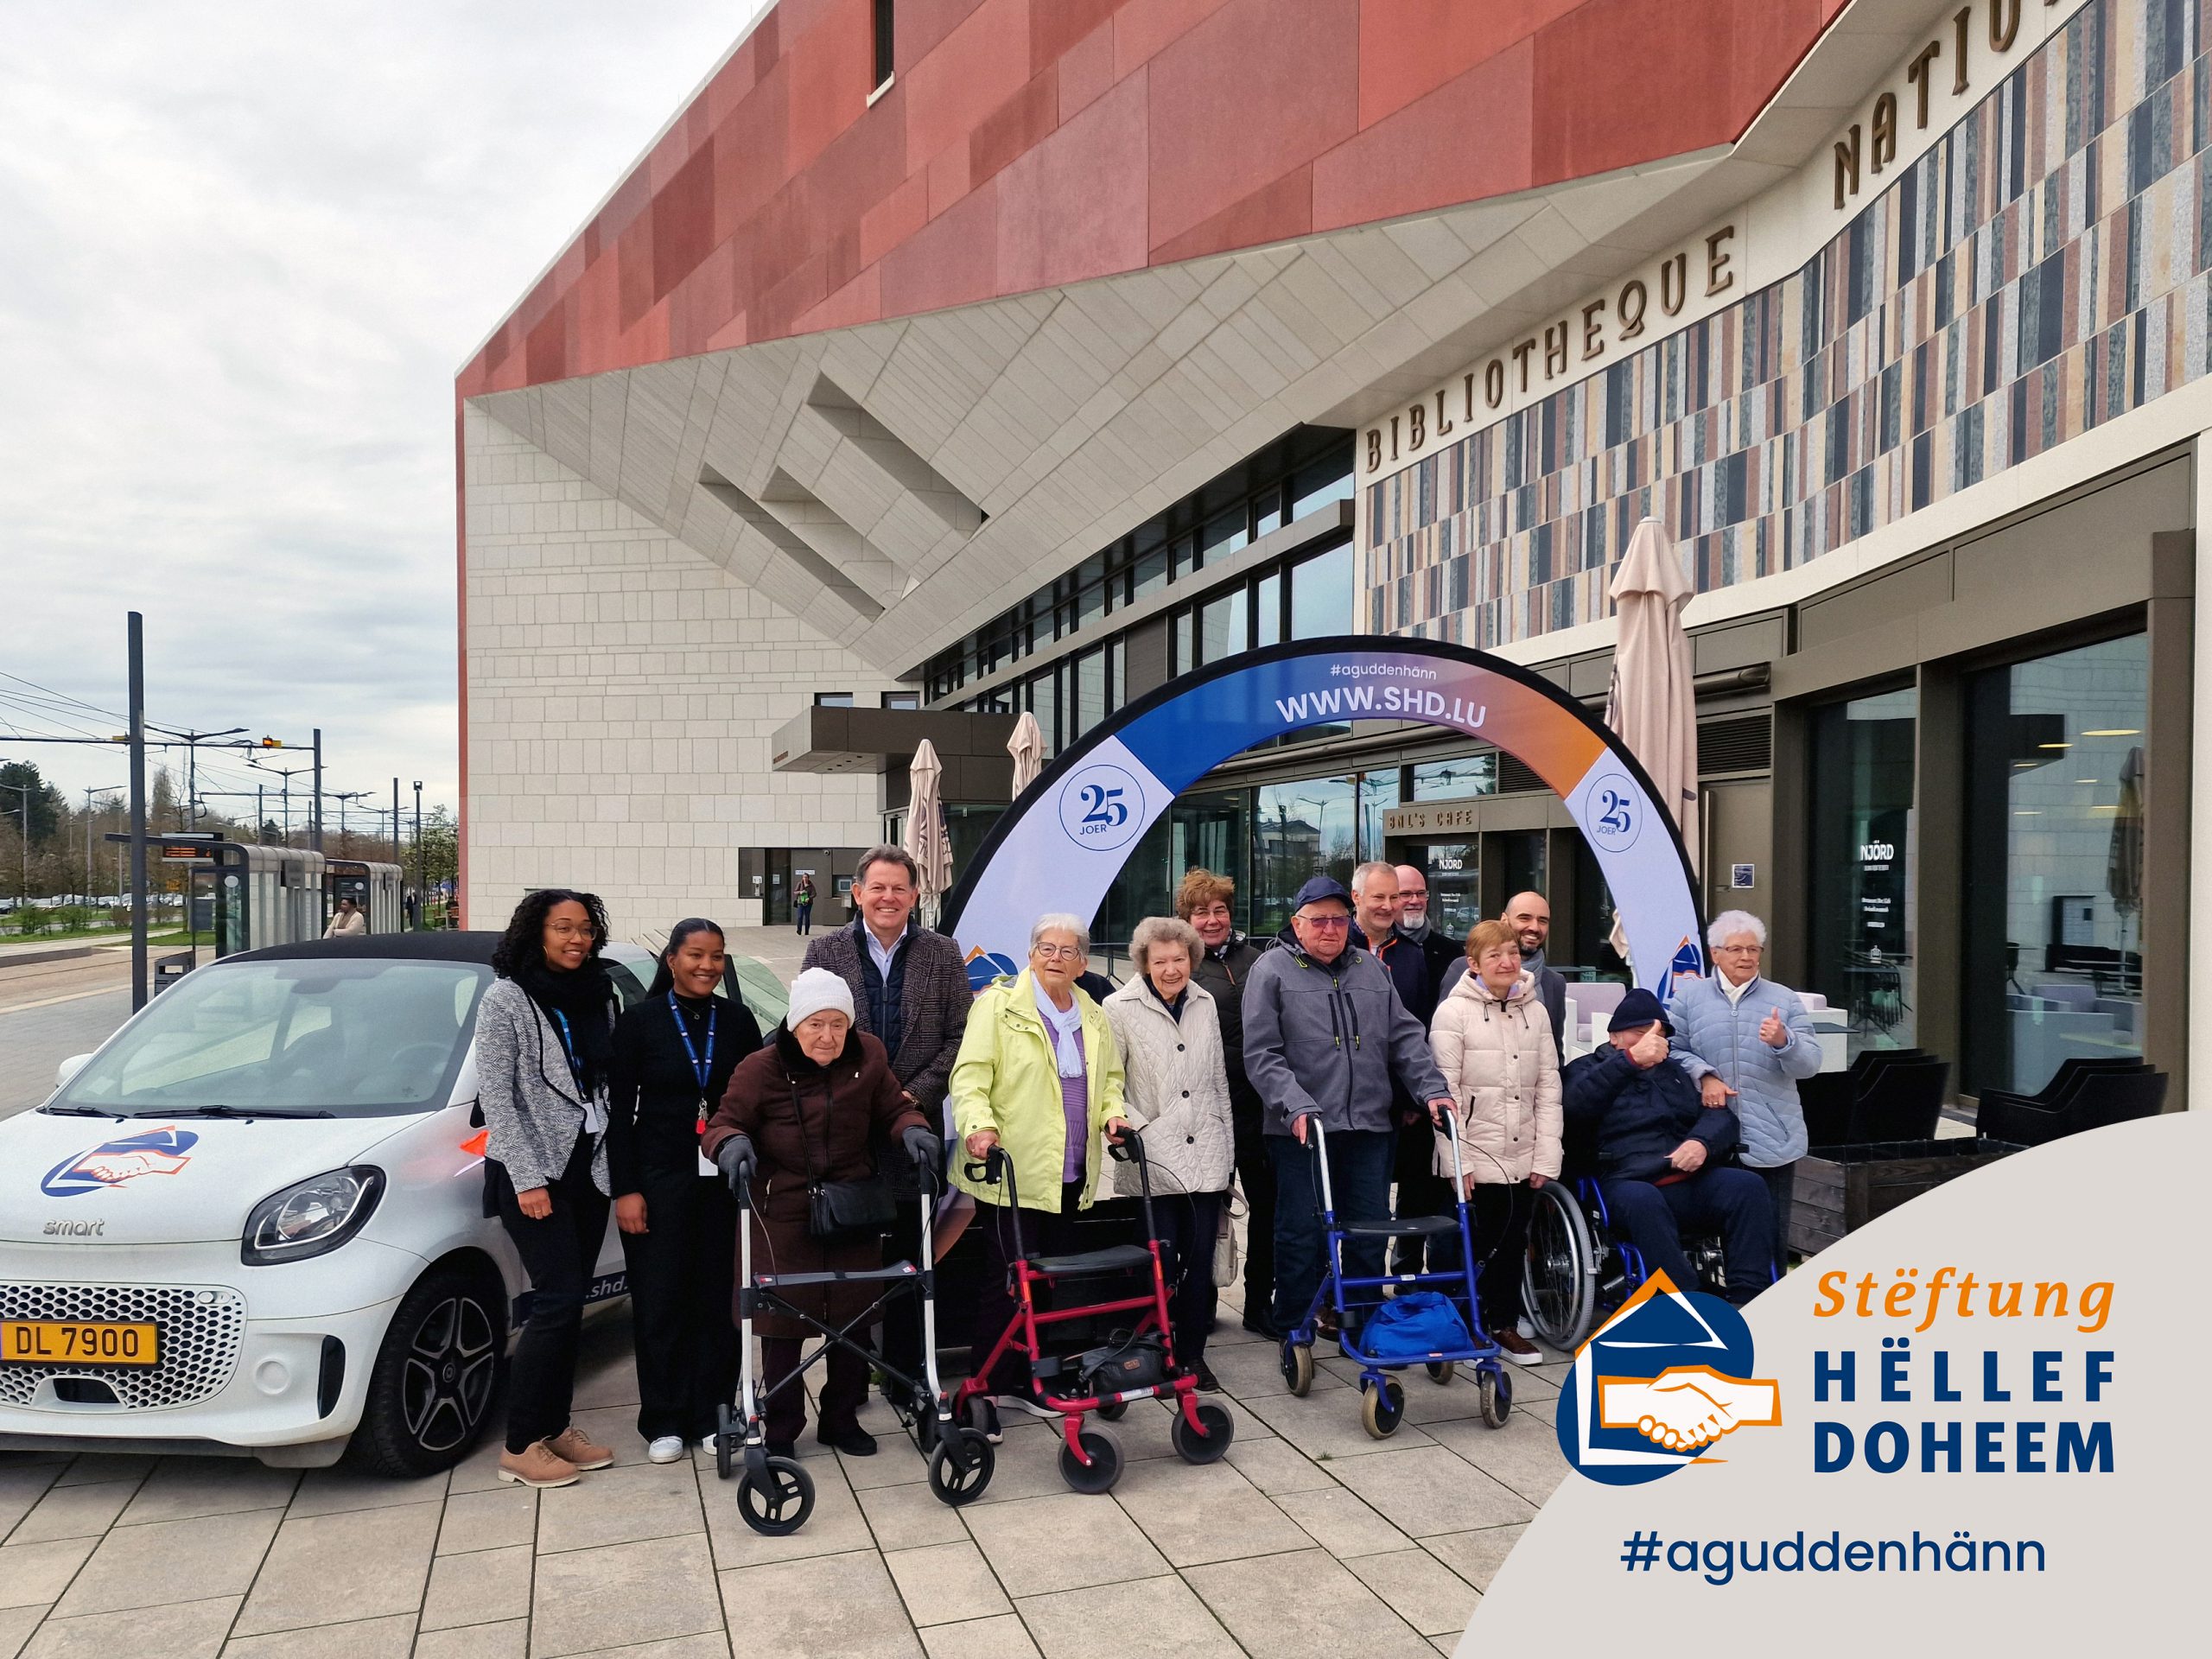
(1419, 1325)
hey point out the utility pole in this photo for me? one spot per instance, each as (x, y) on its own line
(24, 892)
(260, 818)
(137, 653)
(316, 840)
(397, 857)
(192, 742)
(108, 790)
(422, 887)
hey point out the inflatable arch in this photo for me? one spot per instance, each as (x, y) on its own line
(1062, 843)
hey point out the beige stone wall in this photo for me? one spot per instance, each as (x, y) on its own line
(621, 694)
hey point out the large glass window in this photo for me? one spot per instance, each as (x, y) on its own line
(1300, 831)
(1864, 849)
(1223, 628)
(1448, 780)
(1315, 486)
(1090, 692)
(1044, 704)
(1321, 595)
(1378, 790)
(2054, 933)
(1454, 872)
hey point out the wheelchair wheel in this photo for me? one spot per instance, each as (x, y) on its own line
(1440, 1370)
(1113, 1411)
(1495, 1390)
(1298, 1367)
(1212, 1446)
(961, 1466)
(1559, 1278)
(1380, 1410)
(725, 1441)
(777, 1502)
(1103, 1447)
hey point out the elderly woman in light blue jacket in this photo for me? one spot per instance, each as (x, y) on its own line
(1748, 1042)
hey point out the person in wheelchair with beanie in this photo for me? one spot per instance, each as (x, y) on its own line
(805, 1111)
(1661, 1153)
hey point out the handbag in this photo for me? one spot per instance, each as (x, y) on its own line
(1226, 1256)
(840, 1211)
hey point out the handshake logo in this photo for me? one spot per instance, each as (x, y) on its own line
(1666, 1377)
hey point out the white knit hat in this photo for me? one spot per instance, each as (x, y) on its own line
(815, 990)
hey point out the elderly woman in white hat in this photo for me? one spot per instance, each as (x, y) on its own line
(806, 1108)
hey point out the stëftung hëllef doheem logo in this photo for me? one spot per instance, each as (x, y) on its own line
(1102, 808)
(1667, 1376)
(151, 1151)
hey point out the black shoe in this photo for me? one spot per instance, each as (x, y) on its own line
(1260, 1327)
(1208, 1384)
(854, 1442)
(784, 1449)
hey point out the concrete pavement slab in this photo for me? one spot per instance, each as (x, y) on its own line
(585, 1600)
(1522, 1456)
(507, 1640)
(1003, 1637)
(1039, 1545)
(836, 1527)
(1156, 1618)
(621, 1506)
(708, 1644)
(1276, 1465)
(17, 1625)
(188, 1630)
(492, 1520)
(372, 1638)
(98, 1468)
(1208, 1512)
(1341, 1523)
(34, 1575)
(1327, 1424)
(74, 1512)
(486, 1586)
(1475, 1555)
(910, 1517)
(830, 1607)
(170, 1561)
(1421, 1590)
(181, 1487)
(943, 1583)
(330, 1569)
(1426, 1490)
(1303, 1606)
(333, 1491)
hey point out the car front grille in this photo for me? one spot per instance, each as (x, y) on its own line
(201, 1327)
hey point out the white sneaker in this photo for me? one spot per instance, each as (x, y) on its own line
(1527, 1330)
(667, 1449)
(711, 1445)
(1023, 1402)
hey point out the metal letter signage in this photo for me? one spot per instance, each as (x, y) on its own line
(1061, 845)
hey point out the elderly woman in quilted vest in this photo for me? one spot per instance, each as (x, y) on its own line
(1747, 1041)
(1177, 1085)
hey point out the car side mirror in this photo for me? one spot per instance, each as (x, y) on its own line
(68, 1069)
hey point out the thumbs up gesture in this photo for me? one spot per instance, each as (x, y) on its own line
(1773, 1031)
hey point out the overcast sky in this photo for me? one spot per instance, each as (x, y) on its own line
(247, 247)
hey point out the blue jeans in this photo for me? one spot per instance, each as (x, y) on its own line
(1359, 1177)
(1732, 1203)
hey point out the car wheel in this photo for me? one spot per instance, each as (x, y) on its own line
(435, 1376)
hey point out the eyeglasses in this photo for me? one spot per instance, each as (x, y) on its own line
(1738, 949)
(1060, 952)
(1326, 924)
(572, 930)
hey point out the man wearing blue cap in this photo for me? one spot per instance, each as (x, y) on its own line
(1660, 1152)
(1325, 1033)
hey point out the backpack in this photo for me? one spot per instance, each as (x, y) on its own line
(1419, 1325)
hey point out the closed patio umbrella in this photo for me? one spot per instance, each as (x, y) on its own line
(1652, 703)
(1027, 745)
(927, 844)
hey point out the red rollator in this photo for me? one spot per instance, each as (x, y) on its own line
(1138, 1363)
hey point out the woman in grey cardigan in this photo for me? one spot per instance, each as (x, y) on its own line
(544, 1040)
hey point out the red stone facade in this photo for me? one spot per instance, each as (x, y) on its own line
(1027, 142)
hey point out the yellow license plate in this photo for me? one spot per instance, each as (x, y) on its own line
(74, 1341)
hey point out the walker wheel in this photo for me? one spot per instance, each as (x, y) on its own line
(1113, 1411)
(1495, 1389)
(961, 1466)
(1298, 1367)
(1440, 1370)
(725, 1441)
(1103, 1447)
(1211, 1443)
(777, 1501)
(982, 1415)
(1381, 1409)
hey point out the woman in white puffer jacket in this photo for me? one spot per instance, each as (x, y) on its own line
(1493, 1042)
(1177, 1089)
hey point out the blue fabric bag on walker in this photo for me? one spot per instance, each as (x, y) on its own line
(1419, 1325)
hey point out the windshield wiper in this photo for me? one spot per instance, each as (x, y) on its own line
(82, 1111)
(237, 1111)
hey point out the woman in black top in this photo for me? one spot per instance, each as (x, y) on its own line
(673, 1055)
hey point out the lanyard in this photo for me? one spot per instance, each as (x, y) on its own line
(568, 1047)
(700, 1069)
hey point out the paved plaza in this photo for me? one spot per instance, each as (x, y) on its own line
(1311, 1538)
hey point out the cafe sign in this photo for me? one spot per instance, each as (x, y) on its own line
(1432, 817)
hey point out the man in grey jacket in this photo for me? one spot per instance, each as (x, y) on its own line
(1324, 1034)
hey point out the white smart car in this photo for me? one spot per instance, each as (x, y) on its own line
(253, 1222)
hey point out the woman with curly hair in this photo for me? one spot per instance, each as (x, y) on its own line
(544, 1053)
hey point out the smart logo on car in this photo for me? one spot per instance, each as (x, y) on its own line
(112, 1163)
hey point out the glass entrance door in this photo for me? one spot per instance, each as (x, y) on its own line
(1862, 938)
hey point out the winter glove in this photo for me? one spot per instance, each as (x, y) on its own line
(737, 1162)
(925, 1148)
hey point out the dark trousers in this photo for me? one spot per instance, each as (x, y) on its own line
(1497, 1218)
(1007, 1233)
(1359, 1175)
(560, 1254)
(1422, 1192)
(1730, 1202)
(844, 1389)
(681, 1271)
(1256, 1173)
(1188, 1224)
(1781, 1189)
(804, 914)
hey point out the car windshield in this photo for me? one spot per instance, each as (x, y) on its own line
(353, 1037)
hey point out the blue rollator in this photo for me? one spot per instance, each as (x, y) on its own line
(1432, 1319)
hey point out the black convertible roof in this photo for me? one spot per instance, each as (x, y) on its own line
(432, 945)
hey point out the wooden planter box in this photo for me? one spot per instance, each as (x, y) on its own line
(1838, 1189)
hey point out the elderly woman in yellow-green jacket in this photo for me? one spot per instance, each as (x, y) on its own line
(1040, 1076)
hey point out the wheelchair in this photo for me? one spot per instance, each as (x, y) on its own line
(1578, 1271)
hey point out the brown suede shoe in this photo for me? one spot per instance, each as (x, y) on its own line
(537, 1464)
(571, 1445)
(1518, 1348)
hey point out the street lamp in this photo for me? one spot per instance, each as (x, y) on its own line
(422, 891)
(23, 791)
(111, 789)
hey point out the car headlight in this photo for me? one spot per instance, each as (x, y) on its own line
(312, 1217)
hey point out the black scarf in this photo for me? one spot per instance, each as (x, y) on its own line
(586, 998)
(1175, 1008)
